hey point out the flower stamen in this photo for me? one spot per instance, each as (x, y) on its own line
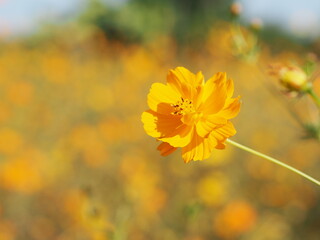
(183, 106)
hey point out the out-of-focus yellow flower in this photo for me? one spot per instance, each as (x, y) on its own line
(56, 66)
(213, 190)
(24, 172)
(291, 77)
(7, 230)
(143, 187)
(86, 215)
(244, 44)
(10, 141)
(86, 142)
(190, 113)
(99, 97)
(20, 93)
(235, 219)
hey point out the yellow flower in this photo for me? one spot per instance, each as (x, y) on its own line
(291, 77)
(190, 113)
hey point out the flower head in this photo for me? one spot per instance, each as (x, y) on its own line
(236, 9)
(256, 24)
(292, 78)
(191, 114)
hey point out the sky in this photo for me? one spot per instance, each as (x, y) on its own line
(19, 16)
(300, 17)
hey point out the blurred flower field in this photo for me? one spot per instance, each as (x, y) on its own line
(75, 162)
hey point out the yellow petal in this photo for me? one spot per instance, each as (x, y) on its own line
(222, 133)
(185, 76)
(230, 88)
(159, 125)
(199, 80)
(179, 137)
(215, 94)
(188, 118)
(185, 82)
(221, 145)
(208, 123)
(166, 149)
(231, 108)
(199, 148)
(227, 130)
(219, 78)
(161, 97)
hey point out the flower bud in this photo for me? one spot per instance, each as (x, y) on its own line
(236, 9)
(293, 78)
(312, 57)
(256, 24)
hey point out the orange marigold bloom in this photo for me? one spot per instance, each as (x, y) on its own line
(190, 113)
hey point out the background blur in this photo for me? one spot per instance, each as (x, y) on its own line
(75, 162)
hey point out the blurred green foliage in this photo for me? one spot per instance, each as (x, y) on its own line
(189, 21)
(140, 20)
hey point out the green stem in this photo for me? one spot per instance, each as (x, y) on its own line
(314, 96)
(274, 161)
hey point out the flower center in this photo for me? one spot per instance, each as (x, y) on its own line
(183, 106)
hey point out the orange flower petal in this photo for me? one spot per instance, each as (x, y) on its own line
(158, 125)
(188, 118)
(185, 76)
(231, 108)
(161, 97)
(166, 149)
(185, 82)
(179, 137)
(167, 128)
(215, 94)
(206, 125)
(199, 148)
(227, 130)
(222, 133)
(230, 88)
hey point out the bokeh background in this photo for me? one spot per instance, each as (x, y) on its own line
(75, 162)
